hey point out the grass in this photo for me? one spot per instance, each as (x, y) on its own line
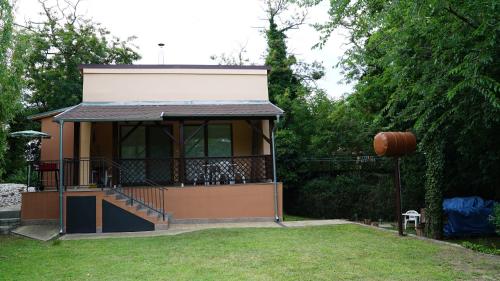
(487, 245)
(287, 217)
(342, 252)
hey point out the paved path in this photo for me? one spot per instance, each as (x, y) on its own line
(39, 232)
(175, 229)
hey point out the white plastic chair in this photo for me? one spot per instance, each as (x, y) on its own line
(411, 216)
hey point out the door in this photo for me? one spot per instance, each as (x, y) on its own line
(132, 154)
(215, 140)
(146, 153)
(159, 153)
(80, 214)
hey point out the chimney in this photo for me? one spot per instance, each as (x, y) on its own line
(161, 53)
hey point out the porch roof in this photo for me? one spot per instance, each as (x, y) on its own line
(157, 111)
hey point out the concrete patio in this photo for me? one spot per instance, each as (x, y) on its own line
(175, 229)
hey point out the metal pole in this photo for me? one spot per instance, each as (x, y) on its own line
(275, 180)
(61, 177)
(29, 176)
(397, 185)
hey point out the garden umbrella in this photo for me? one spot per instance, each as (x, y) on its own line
(33, 135)
(30, 134)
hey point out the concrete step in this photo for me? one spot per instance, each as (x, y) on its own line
(5, 229)
(10, 214)
(10, 221)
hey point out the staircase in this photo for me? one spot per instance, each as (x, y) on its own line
(10, 218)
(134, 202)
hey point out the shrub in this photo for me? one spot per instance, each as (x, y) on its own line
(496, 215)
(347, 196)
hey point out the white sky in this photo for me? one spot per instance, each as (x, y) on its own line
(193, 30)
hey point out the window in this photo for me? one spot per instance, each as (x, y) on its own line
(219, 140)
(214, 140)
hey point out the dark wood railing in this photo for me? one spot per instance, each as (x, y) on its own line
(101, 172)
(196, 171)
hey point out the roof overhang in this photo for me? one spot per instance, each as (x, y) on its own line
(159, 111)
(46, 114)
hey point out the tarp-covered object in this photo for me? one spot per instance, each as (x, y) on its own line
(468, 216)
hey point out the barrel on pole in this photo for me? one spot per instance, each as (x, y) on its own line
(395, 144)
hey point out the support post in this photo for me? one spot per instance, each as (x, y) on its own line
(61, 177)
(397, 186)
(275, 177)
(181, 152)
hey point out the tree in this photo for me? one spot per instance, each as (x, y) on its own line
(59, 43)
(431, 67)
(11, 50)
(53, 49)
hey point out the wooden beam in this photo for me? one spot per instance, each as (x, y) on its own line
(166, 130)
(130, 132)
(195, 132)
(259, 132)
(181, 151)
(116, 153)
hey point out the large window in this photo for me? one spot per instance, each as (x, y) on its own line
(214, 140)
(145, 153)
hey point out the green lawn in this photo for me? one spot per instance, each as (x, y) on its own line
(342, 252)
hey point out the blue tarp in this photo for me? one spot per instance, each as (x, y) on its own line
(468, 216)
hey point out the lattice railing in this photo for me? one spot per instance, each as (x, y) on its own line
(196, 171)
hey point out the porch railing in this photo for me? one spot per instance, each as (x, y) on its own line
(196, 170)
(83, 172)
(101, 172)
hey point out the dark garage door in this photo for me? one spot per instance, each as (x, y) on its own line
(80, 214)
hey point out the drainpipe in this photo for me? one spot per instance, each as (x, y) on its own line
(275, 180)
(61, 177)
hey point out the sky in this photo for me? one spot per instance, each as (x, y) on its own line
(194, 30)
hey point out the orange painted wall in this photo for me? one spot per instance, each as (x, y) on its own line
(45, 205)
(50, 147)
(39, 205)
(221, 202)
(212, 202)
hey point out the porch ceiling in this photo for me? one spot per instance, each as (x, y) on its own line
(157, 111)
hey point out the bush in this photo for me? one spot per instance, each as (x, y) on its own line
(347, 197)
(496, 215)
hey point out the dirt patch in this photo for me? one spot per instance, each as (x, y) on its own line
(480, 266)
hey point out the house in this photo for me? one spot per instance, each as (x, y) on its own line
(156, 144)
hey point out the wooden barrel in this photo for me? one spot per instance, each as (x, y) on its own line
(394, 143)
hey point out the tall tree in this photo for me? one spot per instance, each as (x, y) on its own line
(55, 46)
(10, 75)
(432, 67)
(60, 42)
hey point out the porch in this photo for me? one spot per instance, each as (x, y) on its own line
(169, 153)
(141, 166)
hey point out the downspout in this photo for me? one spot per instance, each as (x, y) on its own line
(275, 180)
(61, 177)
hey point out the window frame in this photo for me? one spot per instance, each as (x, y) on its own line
(205, 138)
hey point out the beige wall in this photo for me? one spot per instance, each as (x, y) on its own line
(107, 85)
(242, 138)
(266, 147)
(85, 134)
(50, 147)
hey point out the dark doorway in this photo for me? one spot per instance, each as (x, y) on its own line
(80, 214)
(115, 219)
